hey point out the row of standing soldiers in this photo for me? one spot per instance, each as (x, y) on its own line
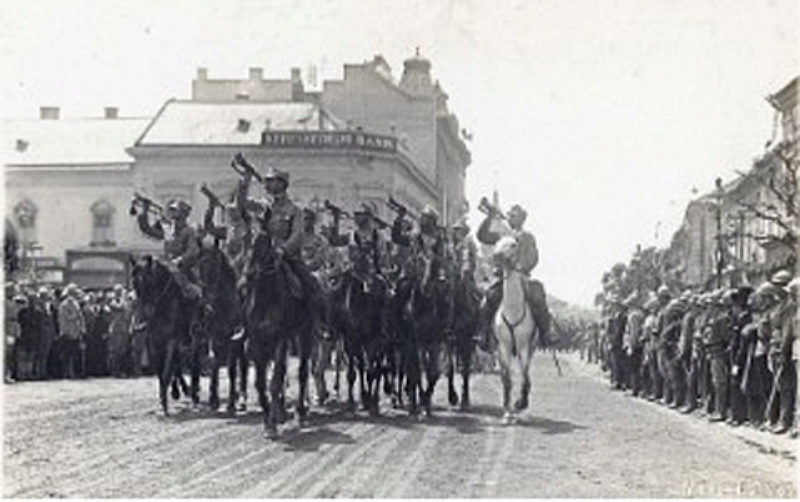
(731, 353)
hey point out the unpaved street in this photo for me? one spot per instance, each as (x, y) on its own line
(105, 438)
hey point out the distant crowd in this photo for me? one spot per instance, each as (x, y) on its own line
(70, 333)
(729, 354)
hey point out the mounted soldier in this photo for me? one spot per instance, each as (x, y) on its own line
(527, 259)
(180, 242)
(364, 243)
(283, 221)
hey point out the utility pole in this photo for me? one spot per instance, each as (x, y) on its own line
(720, 252)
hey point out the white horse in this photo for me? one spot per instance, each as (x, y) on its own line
(514, 328)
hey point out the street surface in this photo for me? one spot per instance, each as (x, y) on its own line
(105, 438)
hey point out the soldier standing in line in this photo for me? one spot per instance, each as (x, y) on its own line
(664, 390)
(633, 342)
(782, 330)
(688, 351)
(670, 337)
(741, 317)
(650, 334)
(717, 341)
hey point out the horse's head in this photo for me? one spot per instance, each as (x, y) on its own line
(506, 251)
(150, 279)
(263, 257)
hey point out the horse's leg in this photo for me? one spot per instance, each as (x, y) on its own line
(232, 361)
(276, 389)
(351, 380)
(242, 363)
(412, 379)
(196, 345)
(452, 395)
(338, 354)
(504, 358)
(304, 353)
(362, 379)
(168, 367)
(524, 359)
(466, 366)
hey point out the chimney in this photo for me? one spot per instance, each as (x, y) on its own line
(48, 112)
(256, 74)
(111, 112)
(297, 86)
(202, 74)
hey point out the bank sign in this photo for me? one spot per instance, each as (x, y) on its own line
(346, 140)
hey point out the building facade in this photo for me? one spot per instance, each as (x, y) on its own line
(744, 229)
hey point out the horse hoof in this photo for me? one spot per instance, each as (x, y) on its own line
(230, 410)
(508, 418)
(464, 405)
(214, 404)
(271, 433)
(453, 397)
(521, 404)
(243, 407)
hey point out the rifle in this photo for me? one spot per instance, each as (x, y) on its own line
(213, 200)
(244, 168)
(400, 208)
(147, 204)
(336, 210)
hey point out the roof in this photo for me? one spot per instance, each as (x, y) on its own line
(231, 123)
(70, 142)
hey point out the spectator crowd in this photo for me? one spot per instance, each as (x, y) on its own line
(70, 333)
(729, 354)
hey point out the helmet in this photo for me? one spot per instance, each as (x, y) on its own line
(516, 209)
(367, 208)
(179, 206)
(663, 291)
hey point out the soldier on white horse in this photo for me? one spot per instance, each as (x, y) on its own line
(515, 305)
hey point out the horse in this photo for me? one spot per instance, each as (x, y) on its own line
(461, 345)
(359, 304)
(274, 317)
(220, 321)
(427, 313)
(166, 316)
(514, 328)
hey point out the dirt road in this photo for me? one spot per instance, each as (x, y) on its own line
(105, 438)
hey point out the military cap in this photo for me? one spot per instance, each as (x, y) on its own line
(675, 307)
(180, 206)
(366, 207)
(663, 290)
(651, 304)
(276, 174)
(781, 278)
(119, 287)
(429, 212)
(461, 224)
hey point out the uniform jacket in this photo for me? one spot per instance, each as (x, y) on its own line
(528, 253)
(180, 241)
(633, 330)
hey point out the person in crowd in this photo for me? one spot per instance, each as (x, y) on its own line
(781, 326)
(72, 327)
(13, 304)
(118, 332)
(633, 343)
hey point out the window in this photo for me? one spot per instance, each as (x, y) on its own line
(25, 213)
(102, 224)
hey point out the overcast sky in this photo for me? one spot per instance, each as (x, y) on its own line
(599, 117)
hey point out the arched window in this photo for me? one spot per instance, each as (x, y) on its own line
(25, 214)
(102, 223)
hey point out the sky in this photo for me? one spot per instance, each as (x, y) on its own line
(602, 118)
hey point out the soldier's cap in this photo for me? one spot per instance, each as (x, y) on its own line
(429, 212)
(781, 278)
(70, 290)
(461, 224)
(651, 304)
(663, 290)
(180, 206)
(768, 290)
(44, 290)
(276, 174)
(675, 307)
(119, 287)
(367, 208)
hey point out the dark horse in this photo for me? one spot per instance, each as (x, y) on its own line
(167, 318)
(461, 342)
(220, 320)
(427, 314)
(275, 316)
(358, 305)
